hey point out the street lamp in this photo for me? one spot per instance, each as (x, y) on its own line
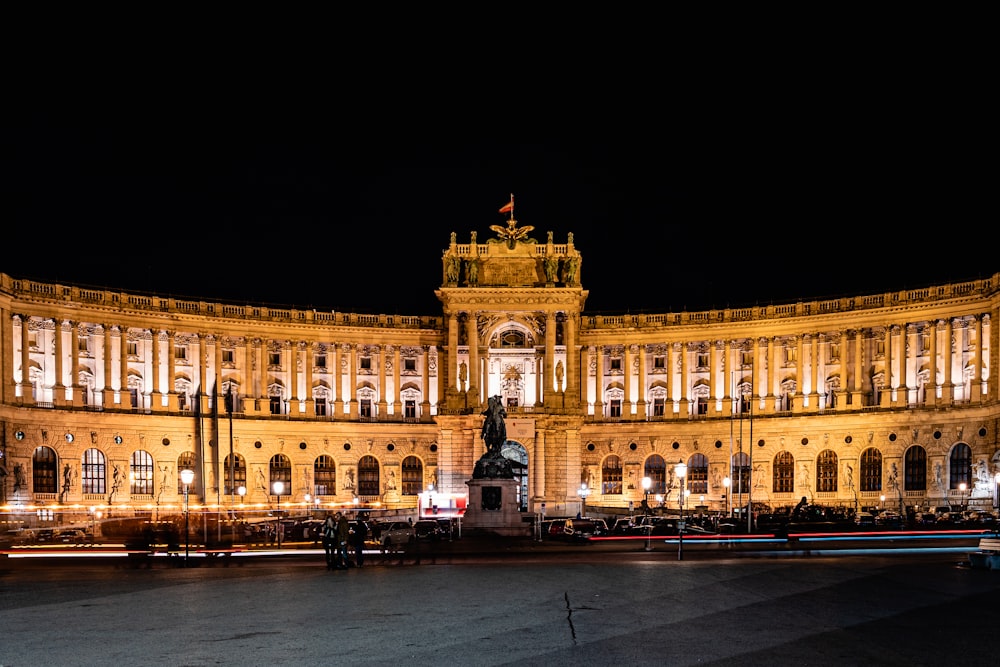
(962, 487)
(681, 471)
(583, 492)
(646, 483)
(187, 476)
(279, 528)
(881, 502)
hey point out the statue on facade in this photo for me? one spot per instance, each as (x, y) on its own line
(493, 463)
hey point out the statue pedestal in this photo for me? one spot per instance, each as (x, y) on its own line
(493, 507)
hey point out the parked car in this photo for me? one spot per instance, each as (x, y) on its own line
(71, 536)
(864, 520)
(396, 534)
(427, 530)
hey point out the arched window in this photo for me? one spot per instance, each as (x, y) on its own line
(784, 472)
(826, 471)
(413, 476)
(184, 462)
(915, 469)
(656, 470)
(611, 476)
(281, 471)
(324, 476)
(960, 466)
(697, 475)
(518, 457)
(43, 471)
(237, 476)
(369, 478)
(93, 471)
(141, 473)
(871, 470)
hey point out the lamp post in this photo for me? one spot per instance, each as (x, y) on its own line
(726, 483)
(962, 487)
(681, 471)
(583, 492)
(646, 483)
(187, 476)
(279, 528)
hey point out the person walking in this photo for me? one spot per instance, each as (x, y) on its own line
(328, 531)
(359, 538)
(343, 534)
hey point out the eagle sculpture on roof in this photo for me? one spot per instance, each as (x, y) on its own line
(511, 234)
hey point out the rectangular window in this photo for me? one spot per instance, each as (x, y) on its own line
(701, 360)
(321, 407)
(320, 361)
(180, 352)
(791, 355)
(274, 358)
(365, 363)
(615, 407)
(834, 352)
(83, 345)
(366, 408)
(880, 348)
(616, 363)
(410, 409)
(132, 348)
(659, 361)
(658, 407)
(228, 356)
(409, 364)
(746, 359)
(276, 405)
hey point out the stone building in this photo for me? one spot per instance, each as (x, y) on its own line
(106, 396)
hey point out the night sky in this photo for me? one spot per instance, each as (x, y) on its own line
(840, 187)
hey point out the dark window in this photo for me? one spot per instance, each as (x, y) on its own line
(321, 407)
(410, 409)
(365, 406)
(43, 470)
(281, 471)
(697, 475)
(656, 470)
(611, 476)
(413, 476)
(615, 407)
(276, 405)
(915, 469)
(784, 472)
(960, 466)
(368, 476)
(826, 471)
(871, 470)
(325, 475)
(658, 407)
(184, 462)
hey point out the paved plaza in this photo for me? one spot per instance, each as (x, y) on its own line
(574, 608)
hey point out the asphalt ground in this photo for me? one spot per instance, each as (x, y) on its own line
(504, 602)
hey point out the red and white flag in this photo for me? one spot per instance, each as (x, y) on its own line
(508, 207)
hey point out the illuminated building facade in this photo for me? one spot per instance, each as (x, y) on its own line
(107, 395)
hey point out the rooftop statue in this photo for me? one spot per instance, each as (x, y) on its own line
(511, 234)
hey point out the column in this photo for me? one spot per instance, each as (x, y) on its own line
(976, 395)
(172, 404)
(899, 357)
(450, 382)
(948, 390)
(59, 398)
(727, 377)
(107, 392)
(930, 391)
(425, 383)
(599, 382)
(397, 406)
(27, 390)
(383, 355)
(217, 390)
(584, 375)
(339, 409)
(800, 365)
(263, 357)
(858, 373)
(846, 372)
(124, 396)
(629, 403)
(204, 391)
(814, 389)
(713, 377)
(472, 339)
(74, 351)
(352, 380)
(755, 383)
(668, 402)
(643, 387)
(548, 372)
(910, 352)
(294, 404)
(309, 351)
(770, 398)
(156, 396)
(572, 372)
(685, 381)
(886, 394)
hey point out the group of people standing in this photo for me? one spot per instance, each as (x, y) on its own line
(339, 536)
